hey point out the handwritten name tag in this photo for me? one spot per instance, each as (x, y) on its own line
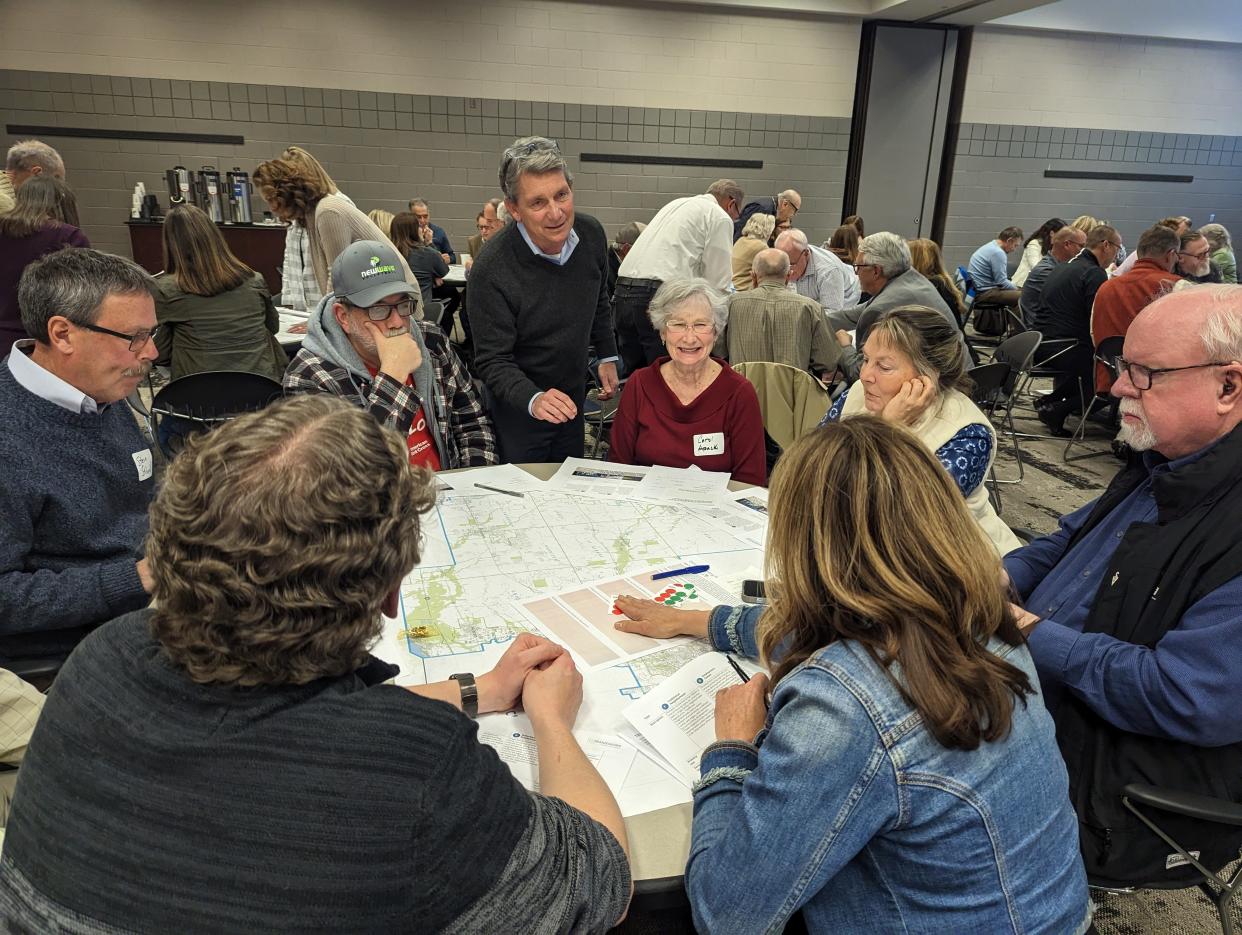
(710, 444)
(144, 463)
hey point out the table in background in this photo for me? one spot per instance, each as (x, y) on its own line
(259, 246)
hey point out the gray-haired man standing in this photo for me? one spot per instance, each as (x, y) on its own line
(538, 300)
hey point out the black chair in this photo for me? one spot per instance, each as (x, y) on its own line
(989, 387)
(214, 396)
(974, 309)
(1141, 799)
(1018, 354)
(1106, 353)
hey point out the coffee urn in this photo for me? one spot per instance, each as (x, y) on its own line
(210, 197)
(239, 196)
(180, 185)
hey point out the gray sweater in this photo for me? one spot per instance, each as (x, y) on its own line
(908, 288)
(73, 515)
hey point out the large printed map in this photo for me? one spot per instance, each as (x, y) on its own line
(482, 552)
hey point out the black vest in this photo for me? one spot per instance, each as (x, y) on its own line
(1157, 572)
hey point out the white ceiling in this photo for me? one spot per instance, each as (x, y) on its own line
(1202, 20)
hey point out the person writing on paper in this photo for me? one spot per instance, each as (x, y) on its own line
(689, 407)
(308, 794)
(914, 374)
(906, 776)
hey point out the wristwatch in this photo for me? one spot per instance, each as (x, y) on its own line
(469, 693)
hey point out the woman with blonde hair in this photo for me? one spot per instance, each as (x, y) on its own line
(914, 375)
(1221, 245)
(296, 192)
(756, 234)
(899, 771)
(299, 287)
(925, 257)
(383, 220)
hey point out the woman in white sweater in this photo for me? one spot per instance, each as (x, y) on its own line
(1039, 244)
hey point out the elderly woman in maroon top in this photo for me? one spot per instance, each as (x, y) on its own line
(44, 219)
(689, 407)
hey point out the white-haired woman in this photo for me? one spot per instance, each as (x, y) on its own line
(755, 237)
(1222, 251)
(689, 407)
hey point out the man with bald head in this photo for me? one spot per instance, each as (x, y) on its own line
(770, 323)
(1134, 605)
(817, 273)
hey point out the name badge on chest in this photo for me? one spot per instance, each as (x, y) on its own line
(144, 462)
(710, 444)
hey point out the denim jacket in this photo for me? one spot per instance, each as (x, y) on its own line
(847, 808)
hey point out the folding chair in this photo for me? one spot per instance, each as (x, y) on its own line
(989, 389)
(209, 398)
(974, 307)
(1018, 354)
(1140, 798)
(1106, 354)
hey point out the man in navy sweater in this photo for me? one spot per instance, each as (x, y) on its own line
(538, 300)
(78, 472)
(1134, 606)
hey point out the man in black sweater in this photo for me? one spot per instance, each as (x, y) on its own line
(1067, 298)
(538, 300)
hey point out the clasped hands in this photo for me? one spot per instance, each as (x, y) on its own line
(538, 673)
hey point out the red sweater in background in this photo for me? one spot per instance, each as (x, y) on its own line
(1119, 300)
(723, 424)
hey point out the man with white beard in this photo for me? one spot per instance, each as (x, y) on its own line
(1194, 259)
(362, 343)
(1133, 607)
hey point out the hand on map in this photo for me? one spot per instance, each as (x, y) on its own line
(501, 689)
(553, 406)
(649, 618)
(552, 694)
(740, 710)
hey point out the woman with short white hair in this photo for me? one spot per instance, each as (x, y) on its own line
(755, 237)
(689, 407)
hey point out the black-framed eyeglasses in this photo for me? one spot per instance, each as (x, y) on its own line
(1196, 256)
(1141, 376)
(380, 312)
(137, 341)
(858, 266)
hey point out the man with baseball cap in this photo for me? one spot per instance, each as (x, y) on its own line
(364, 343)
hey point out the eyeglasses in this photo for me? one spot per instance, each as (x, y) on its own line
(1141, 376)
(381, 311)
(137, 341)
(483, 228)
(681, 327)
(858, 266)
(1114, 243)
(1196, 256)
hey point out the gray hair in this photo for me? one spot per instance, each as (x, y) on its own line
(886, 250)
(1222, 332)
(495, 203)
(1217, 237)
(26, 154)
(73, 283)
(794, 236)
(629, 233)
(792, 197)
(678, 292)
(536, 155)
(727, 188)
(759, 226)
(419, 201)
(771, 264)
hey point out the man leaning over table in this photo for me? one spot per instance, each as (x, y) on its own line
(538, 302)
(363, 344)
(1134, 605)
(234, 760)
(78, 474)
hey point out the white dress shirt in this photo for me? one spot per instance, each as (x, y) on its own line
(688, 237)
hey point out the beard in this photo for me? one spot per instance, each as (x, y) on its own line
(1138, 436)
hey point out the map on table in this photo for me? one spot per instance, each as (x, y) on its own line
(483, 553)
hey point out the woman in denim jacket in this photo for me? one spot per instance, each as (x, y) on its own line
(906, 777)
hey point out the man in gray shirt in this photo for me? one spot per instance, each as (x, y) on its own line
(1067, 243)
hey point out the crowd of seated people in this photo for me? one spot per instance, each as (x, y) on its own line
(1004, 686)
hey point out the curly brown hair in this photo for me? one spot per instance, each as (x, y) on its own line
(291, 190)
(275, 539)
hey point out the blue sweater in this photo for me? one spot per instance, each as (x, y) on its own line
(989, 268)
(73, 515)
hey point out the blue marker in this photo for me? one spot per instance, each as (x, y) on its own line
(692, 570)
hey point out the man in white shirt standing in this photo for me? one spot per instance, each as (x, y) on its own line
(689, 237)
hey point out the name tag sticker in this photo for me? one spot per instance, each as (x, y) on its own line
(711, 444)
(144, 462)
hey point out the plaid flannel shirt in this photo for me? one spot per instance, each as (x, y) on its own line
(465, 427)
(299, 287)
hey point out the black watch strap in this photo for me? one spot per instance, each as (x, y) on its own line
(469, 693)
